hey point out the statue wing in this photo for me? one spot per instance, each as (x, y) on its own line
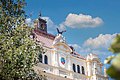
(64, 31)
(58, 30)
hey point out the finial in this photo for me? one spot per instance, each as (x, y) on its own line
(40, 14)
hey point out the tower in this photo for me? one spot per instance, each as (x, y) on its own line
(40, 24)
(94, 66)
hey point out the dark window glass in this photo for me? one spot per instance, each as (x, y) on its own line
(83, 71)
(74, 69)
(78, 68)
(45, 59)
(40, 58)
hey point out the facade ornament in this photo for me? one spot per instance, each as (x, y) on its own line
(59, 37)
(60, 32)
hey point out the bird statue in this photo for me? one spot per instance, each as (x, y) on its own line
(60, 32)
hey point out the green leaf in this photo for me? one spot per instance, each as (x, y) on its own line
(113, 73)
(108, 59)
(115, 47)
(116, 61)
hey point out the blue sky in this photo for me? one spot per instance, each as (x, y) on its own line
(91, 24)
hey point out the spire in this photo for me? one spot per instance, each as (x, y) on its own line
(40, 14)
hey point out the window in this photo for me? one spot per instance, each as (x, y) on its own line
(83, 71)
(40, 58)
(45, 59)
(74, 69)
(78, 68)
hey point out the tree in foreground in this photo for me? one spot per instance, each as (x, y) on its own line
(114, 70)
(18, 53)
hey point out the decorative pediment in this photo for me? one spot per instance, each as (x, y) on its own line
(62, 47)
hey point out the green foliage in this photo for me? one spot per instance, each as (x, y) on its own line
(18, 52)
(11, 14)
(114, 70)
(115, 47)
(113, 73)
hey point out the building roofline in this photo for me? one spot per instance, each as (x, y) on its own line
(42, 33)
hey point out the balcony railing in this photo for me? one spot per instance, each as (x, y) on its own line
(45, 68)
(61, 72)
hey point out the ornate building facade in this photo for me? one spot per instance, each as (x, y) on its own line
(61, 62)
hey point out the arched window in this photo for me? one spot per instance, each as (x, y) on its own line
(45, 59)
(74, 69)
(40, 58)
(78, 68)
(83, 71)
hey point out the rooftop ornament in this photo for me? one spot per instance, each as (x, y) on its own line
(59, 37)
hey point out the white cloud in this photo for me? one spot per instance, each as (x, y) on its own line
(100, 42)
(29, 22)
(62, 27)
(51, 26)
(75, 46)
(82, 21)
(81, 50)
(73, 21)
(98, 45)
(86, 50)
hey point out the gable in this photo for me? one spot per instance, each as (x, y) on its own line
(62, 47)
